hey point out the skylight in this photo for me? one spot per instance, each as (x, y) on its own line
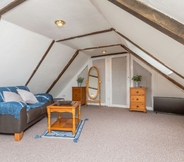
(149, 59)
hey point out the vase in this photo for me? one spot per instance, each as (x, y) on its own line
(137, 84)
(79, 84)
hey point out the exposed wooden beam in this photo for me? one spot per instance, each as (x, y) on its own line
(149, 54)
(10, 6)
(110, 54)
(156, 19)
(99, 47)
(84, 35)
(35, 70)
(63, 71)
(167, 77)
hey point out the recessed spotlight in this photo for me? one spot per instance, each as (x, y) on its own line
(104, 51)
(60, 23)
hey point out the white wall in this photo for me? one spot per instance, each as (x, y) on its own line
(20, 52)
(66, 93)
(51, 67)
(65, 83)
(165, 88)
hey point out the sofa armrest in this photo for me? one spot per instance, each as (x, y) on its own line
(44, 97)
(11, 108)
(9, 124)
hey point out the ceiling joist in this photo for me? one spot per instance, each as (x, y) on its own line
(85, 35)
(110, 54)
(90, 48)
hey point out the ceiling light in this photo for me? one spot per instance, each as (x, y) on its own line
(104, 51)
(60, 23)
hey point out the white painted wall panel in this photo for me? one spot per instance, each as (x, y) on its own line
(20, 52)
(69, 77)
(51, 67)
(165, 88)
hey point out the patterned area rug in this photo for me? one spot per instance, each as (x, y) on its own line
(64, 134)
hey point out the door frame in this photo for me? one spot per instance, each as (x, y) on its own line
(127, 80)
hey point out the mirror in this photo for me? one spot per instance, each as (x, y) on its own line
(93, 86)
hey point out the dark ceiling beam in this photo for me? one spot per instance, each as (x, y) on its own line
(11, 6)
(156, 19)
(110, 54)
(84, 35)
(112, 45)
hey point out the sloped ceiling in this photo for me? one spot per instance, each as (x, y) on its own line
(39, 16)
(155, 18)
(83, 17)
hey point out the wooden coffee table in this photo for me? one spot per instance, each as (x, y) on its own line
(66, 124)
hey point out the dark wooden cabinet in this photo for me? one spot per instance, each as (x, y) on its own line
(79, 94)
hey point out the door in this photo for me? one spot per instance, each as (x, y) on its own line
(119, 81)
(114, 79)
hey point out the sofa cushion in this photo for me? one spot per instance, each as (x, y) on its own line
(11, 89)
(32, 106)
(11, 96)
(27, 96)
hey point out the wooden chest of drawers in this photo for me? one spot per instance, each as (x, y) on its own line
(138, 99)
(79, 94)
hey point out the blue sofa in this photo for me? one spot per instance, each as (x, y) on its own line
(17, 116)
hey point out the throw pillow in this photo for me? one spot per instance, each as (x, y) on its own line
(11, 96)
(27, 96)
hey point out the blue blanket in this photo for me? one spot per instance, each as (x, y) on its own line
(14, 107)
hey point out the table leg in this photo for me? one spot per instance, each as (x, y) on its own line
(79, 115)
(49, 120)
(73, 117)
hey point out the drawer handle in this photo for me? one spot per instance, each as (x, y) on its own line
(137, 99)
(137, 91)
(137, 106)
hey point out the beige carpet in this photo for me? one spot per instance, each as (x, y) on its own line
(110, 135)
